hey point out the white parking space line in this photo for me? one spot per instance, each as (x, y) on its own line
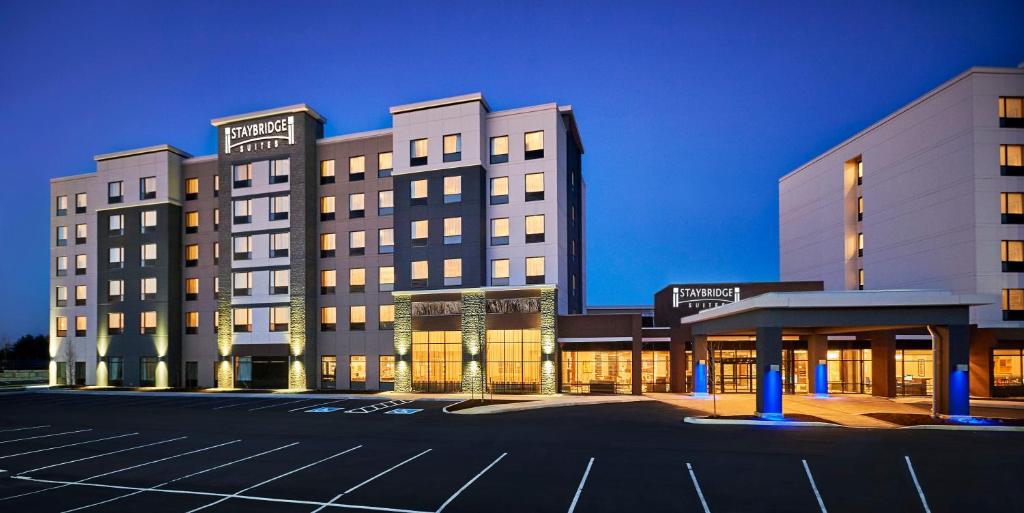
(700, 494)
(821, 503)
(230, 405)
(311, 406)
(917, 484)
(65, 445)
(23, 428)
(279, 403)
(275, 478)
(350, 490)
(101, 455)
(460, 490)
(45, 436)
(579, 489)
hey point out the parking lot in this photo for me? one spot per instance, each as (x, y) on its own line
(218, 453)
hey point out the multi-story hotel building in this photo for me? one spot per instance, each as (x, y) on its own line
(390, 259)
(930, 197)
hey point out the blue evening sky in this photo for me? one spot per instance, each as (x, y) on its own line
(689, 112)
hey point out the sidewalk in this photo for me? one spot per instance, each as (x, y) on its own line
(547, 401)
(847, 410)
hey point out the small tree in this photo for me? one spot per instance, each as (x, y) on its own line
(69, 356)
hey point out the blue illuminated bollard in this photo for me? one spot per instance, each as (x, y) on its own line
(700, 380)
(772, 394)
(821, 380)
(959, 392)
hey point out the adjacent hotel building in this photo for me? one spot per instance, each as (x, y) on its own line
(390, 259)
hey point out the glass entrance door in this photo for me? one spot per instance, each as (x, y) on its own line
(737, 375)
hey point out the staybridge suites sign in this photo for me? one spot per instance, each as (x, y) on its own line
(702, 298)
(259, 135)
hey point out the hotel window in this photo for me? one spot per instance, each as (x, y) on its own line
(115, 192)
(147, 188)
(62, 235)
(499, 149)
(419, 231)
(534, 270)
(1011, 112)
(452, 146)
(62, 266)
(356, 168)
(279, 245)
(191, 255)
(513, 360)
(328, 281)
(242, 320)
(385, 240)
(81, 293)
(216, 185)
(191, 289)
(860, 244)
(148, 221)
(116, 224)
(386, 317)
(279, 170)
(216, 219)
(452, 272)
(279, 208)
(327, 209)
(61, 295)
(115, 323)
(387, 368)
(191, 323)
(534, 144)
(418, 192)
(1010, 160)
(419, 274)
(357, 318)
(534, 186)
(418, 152)
(216, 289)
(535, 228)
(191, 222)
(243, 176)
(115, 290)
(437, 360)
(216, 253)
(278, 318)
(191, 188)
(1007, 370)
(860, 172)
(386, 278)
(148, 253)
(279, 281)
(357, 243)
(327, 247)
(62, 205)
(81, 323)
(81, 233)
(328, 318)
(147, 323)
(147, 289)
(499, 231)
(452, 189)
(356, 205)
(499, 272)
(243, 247)
(116, 258)
(1013, 304)
(860, 279)
(860, 208)
(81, 203)
(328, 370)
(62, 326)
(357, 279)
(384, 164)
(499, 190)
(243, 211)
(453, 230)
(1012, 255)
(385, 203)
(1012, 207)
(357, 368)
(81, 266)
(242, 283)
(326, 171)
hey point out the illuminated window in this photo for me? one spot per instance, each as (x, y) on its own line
(1011, 112)
(386, 278)
(279, 281)
(147, 187)
(279, 170)
(419, 232)
(387, 368)
(513, 360)
(116, 224)
(243, 176)
(534, 186)
(81, 325)
(191, 188)
(147, 323)
(115, 323)
(384, 164)
(1012, 255)
(418, 152)
(61, 296)
(191, 289)
(453, 230)
(328, 281)
(81, 233)
(385, 317)
(147, 288)
(860, 172)
(357, 368)
(452, 189)
(243, 211)
(356, 168)
(242, 319)
(327, 245)
(191, 255)
(191, 222)
(860, 279)
(1012, 207)
(61, 266)
(116, 257)
(452, 148)
(499, 272)
(356, 205)
(61, 324)
(279, 206)
(499, 231)
(328, 318)
(326, 208)
(499, 190)
(62, 235)
(1010, 159)
(385, 203)
(279, 318)
(535, 228)
(452, 272)
(418, 192)
(1007, 368)
(242, 283)
(386, 240)
(81, 264)
(326, 171)
(534, 270)
(328, 369)
(357, 242)
(356, 279)
(115, 192)
(1013, 304)
(191, 323)
(534, 144)
(356, 318)
(279, 244)
(62, 205)
(437, 361)
(860, 244)
(216, 185)
(216, 218)
(81, 202)
(148, 252)
(216, 252)
(860, 208)
(82, 293)
(419, 273)
(499, 149)
(243, 247)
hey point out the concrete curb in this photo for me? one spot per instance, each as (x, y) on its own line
(445, 409)
(538, 404)
(226, 395)
(743, 422)
(946, 427)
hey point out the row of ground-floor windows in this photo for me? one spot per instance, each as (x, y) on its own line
(592, 372)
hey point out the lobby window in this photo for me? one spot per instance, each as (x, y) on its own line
(279, 206)
(356, 168)
(328, 371)
(81, 294)
(385, 240)
(326, 171)
(147, 188)
(1012, 255)
(499, 272)
(418, 232)
(513, 360)
(499, 149)
(534, 270)
(499, 190)
(81, 324)
(535, 228)
(357, 279)
(148, 220)
(115, 192)
(61, 266)
(279, 319)
(356, 205)
(116, 224)
(386, 317)
(418, 152)
(81, 264)
(328, 318)
(453, 230)
(534, 186)
(860, 244)
(242, 284)
(147, 323)
(452, 189)
(191, 222)
(115, 323)
(452, 272)
(327, 208)
(243, 176)
(1011, 112)
(328, 281)
(384, 164)
(357, 243)
(279, 245)
(452, 146)
(115, 290)
(387, 368)
(1010, 160)
(191, 323)
(61, 296)
(81, 233)
(191, 289)
(115, 257)
(1012, 207)
(1013, 304)
(418, 192)
(148, 254)
(357, 368)
(242, 320)
(499, 231)
(147, 289)
(62, 205)
(385, 203)
(81, 203)
(357, 318)
(279, 281)
(419, 274)
(243, 211)
(534, 145)
(437, 360)
(62, 236)
(243, 247)
(386, 278)
(191, 188)
(1007, 369)
(191, 255)
(327, 245)
(860, 279)
(860, 208)
(279, 170)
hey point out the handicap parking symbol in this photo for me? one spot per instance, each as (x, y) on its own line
(323, 409)
(404, 411)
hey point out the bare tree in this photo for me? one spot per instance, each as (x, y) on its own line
(69, 368)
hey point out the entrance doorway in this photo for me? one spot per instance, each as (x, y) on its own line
(736, 372)
(263, 372)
